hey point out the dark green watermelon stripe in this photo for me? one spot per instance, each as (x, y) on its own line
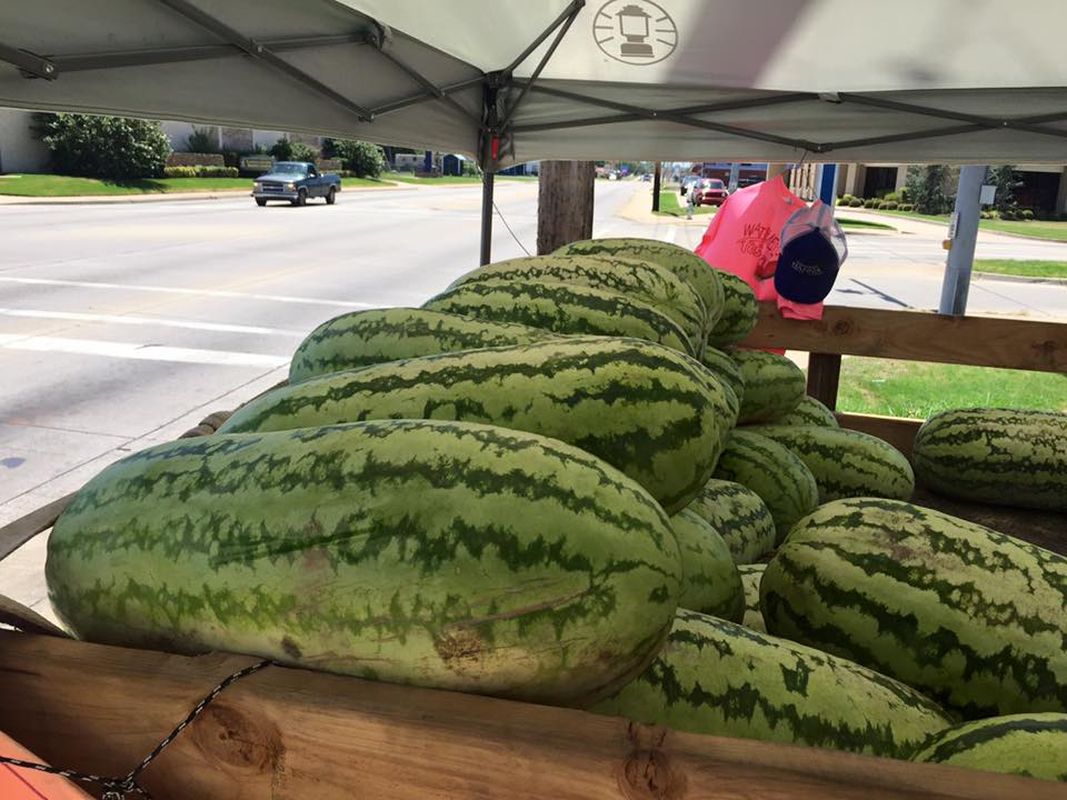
(954, 744)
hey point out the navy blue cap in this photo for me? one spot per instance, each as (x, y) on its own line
(807, 267)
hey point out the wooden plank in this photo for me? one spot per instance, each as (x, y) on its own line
(26, 619)
(286, 733)
(898, 431)
(824, 375)
(918, 336)
(17, 533)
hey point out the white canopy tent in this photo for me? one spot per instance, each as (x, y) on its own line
(507, 81)
(755, 80)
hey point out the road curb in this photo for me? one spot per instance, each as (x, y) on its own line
(995, 276)
(160, 197)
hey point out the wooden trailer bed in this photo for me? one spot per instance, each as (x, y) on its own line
(285, 733)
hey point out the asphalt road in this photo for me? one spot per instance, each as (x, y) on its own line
(123, 325)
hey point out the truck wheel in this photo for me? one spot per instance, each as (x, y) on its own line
(260, 202)
(301, 198)
(331, 196)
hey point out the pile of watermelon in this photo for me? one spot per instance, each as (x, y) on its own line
(561, 480)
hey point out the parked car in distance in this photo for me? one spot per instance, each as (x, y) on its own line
(295, 181)
(710, 192)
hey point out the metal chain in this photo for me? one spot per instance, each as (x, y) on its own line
(126, 786)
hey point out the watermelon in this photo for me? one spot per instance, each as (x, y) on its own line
(808, 411)
(751, 575)
(562, 308)
(740, 516)
(683, 263)
(441, 554)
(648, 410)
(361, 338)
(774, 385)
(1034, 745)
(711, 583)
(716, 677)
(726, 368)
(740, 311)
(974, 618)
(640, 280)
(775, 473)
(1011, 457)
(846, 463)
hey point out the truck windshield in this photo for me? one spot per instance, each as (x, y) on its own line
(290, 168)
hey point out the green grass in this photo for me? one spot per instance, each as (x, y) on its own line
(1033, 229)
(1032, 269)
(670, 205)
(64, 186)
(910, 389)
(846, 222)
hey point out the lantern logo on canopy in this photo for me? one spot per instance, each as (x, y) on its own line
(634, 31)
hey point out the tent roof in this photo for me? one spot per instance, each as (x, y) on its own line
(753, 80)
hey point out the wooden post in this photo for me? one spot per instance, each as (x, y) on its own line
(824, 374)
(657, 177)
(564, 203)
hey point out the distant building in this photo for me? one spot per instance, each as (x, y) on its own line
(20, 150)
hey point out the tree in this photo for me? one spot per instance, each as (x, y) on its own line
(285, 149)
(202, 140)
(1006, 179)
(365, 159)
(928, 187)
(115, 148)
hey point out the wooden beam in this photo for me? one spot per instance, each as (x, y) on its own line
(564, 203)
(824, 375)
(286, 733)
(918, 336)
(898, 431)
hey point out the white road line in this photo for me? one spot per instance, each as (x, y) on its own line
(141, 352)
(177, 290)
(161, 322)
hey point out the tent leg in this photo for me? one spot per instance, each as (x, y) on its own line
(961, 255)
(828, 184)
(487, 218)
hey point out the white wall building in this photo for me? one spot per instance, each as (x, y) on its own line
(20, 151)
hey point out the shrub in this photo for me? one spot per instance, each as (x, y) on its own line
(1026, 214)
(364, 159)
(285, 149)
(929, 188)
(202, 140)
(113, 148)
(200, 172)
(1009, 214)
(870, 202)
(891, 197)
(855, 202)
(891, 205)
(906, 207)
(984, 215)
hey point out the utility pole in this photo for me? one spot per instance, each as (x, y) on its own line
(564, 203)
(656, 178)
(963, 233)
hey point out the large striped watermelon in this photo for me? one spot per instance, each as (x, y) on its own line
(975, 618)
(440, 554)
(360, 338)
(562, 308)
(808, 411)
(1034, 745)
(727, 369)
(711, 583)
(751, 575)
(648, 410)
(715, 677)
(772, 471)
(846, 463)
(1011, 457)
(685, 264)
(740, 516)
(640, 280)
(774, 385)
(740, 312)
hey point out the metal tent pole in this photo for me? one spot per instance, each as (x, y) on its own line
(828, 184)
(961, 248)
(487, 218)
